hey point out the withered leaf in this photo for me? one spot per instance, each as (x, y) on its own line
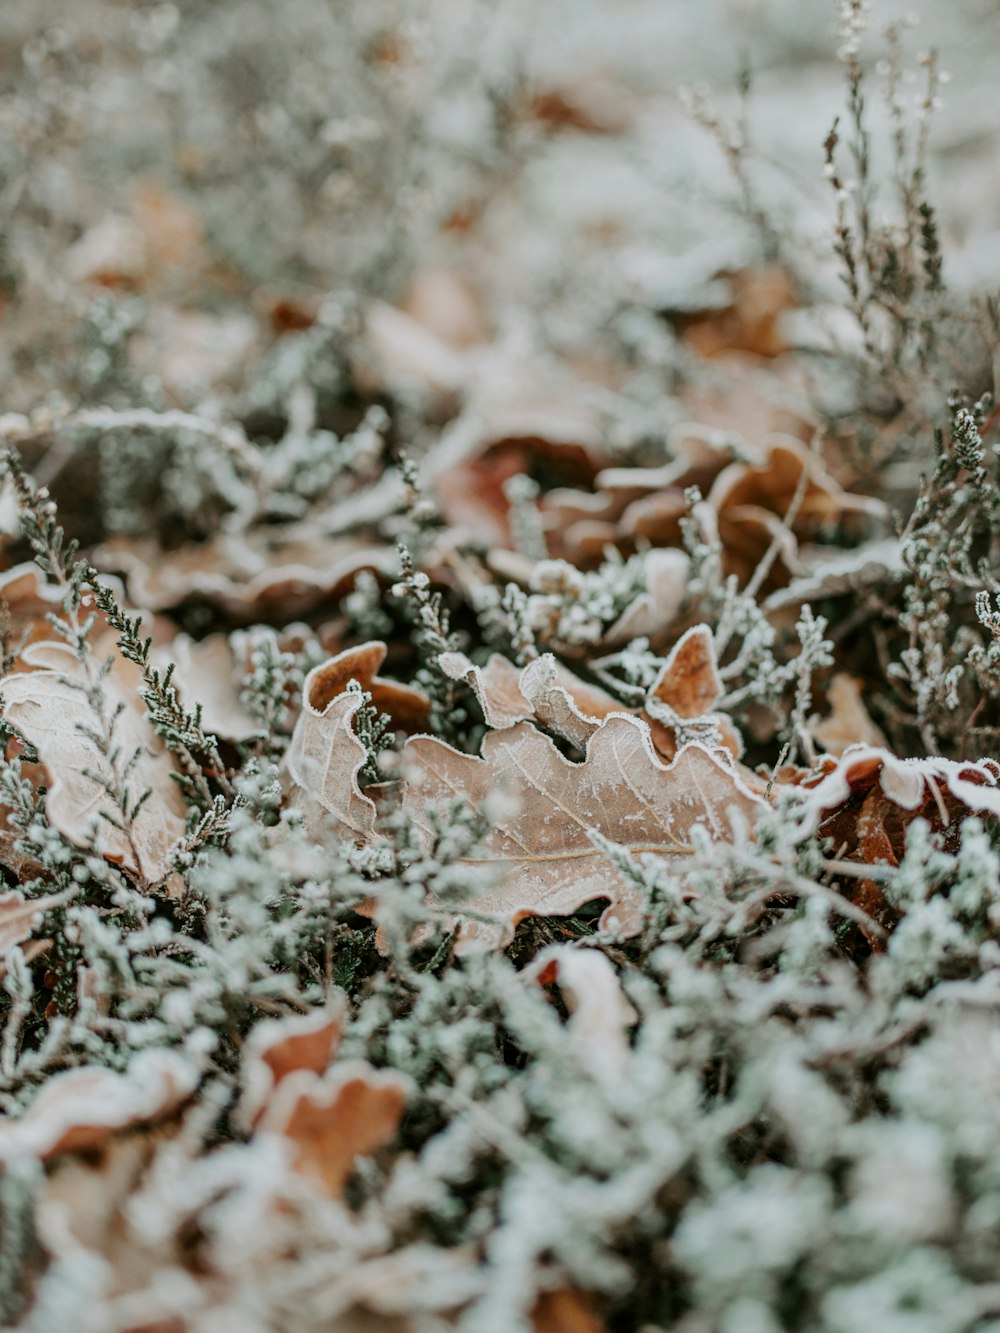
(332, 1121)
(752, 500)
(245, 574)
(689, 682)
(80, 1108)
(544, 691)
(206, 673)
(656, 608)
(566, 1310)
(542, 860)
(277, 1048)
(868, 799)
(408, 707)
(47, 706)
(325, 757)
(20, 915)
(849, 722)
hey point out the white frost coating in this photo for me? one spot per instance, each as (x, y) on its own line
(905, 782)
(78, 1107)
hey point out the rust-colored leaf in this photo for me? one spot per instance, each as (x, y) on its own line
(566, 1310)
(332, 1121)
(689, 682)
(278, 1048)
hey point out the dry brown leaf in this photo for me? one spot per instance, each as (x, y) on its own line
(277, 1048)
(753, 499)
(654, 610)
(849, 722)
(206, 673)
(511, 421)
(905, 782)
(80, 1108)
(544, 691)
(49, 710)
(408, 707)
(247, 576)
(541, 860)
(548, 693)
(750, 322)
(497, 687)
(689, 686)
(634, 504)
(866, 801)
(325, 757)
(332, 1121)
(564, 703)
(833, 572)
(689, 682)
(30, 599)
(566, 1311)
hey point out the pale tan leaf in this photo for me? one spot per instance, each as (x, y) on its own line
(563, 703)
(49, 709)
(542, 860)
(19, 916)
(80, 1108)
(849, 722)
(206, 673)
(325, 757)
(654, 609)
(544, 691)
(497, 687)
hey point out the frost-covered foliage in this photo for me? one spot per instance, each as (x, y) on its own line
(500, 807)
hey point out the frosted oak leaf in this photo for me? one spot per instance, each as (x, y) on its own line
(325, 755)
(542, 860)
